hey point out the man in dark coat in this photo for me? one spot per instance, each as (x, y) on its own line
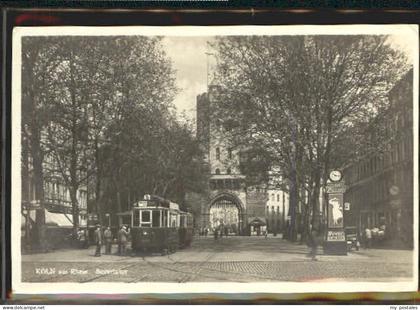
(314, 239)
(98, 240)
(122, 240)
(108, 240)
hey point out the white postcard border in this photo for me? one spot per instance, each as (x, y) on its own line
(410, 31)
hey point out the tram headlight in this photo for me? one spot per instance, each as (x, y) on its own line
(144, 233)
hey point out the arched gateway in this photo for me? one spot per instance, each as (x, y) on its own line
(226, 209)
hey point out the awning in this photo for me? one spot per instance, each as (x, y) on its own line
(51, 219)
(58, 219)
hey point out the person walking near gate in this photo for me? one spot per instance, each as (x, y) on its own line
(108, 240)
(122, 240)
(314, 236)
(368, 238)
(98, 240)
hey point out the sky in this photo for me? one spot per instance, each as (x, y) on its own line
(189, 59)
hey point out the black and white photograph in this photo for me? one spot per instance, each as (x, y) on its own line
(242, 159)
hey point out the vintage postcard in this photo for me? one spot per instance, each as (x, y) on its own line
(241, 159)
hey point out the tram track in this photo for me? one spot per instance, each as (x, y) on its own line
(187, 276)
(219, 249)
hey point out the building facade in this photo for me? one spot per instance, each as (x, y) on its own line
(380, 187)
(277, 206)
(228, 200)
(57, 203)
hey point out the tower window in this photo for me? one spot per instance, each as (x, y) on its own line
(230, 153)
(217, 153)
(228, 170)
(217, 171)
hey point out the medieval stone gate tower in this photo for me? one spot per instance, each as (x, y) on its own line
(228, 200)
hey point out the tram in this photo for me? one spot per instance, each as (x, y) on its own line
(157, 225)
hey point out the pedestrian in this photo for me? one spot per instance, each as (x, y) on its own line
(265, 234)
(206, 231)
(216, 232)
(368, 238)
(108, 240)
(122, 240)
(98, 240)
(82, 238)
(226, 231)
(313, 241)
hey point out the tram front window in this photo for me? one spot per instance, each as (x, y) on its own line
(145, 218)
(156, 218)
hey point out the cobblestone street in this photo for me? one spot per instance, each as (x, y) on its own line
(238, 259)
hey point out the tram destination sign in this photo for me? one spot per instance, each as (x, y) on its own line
(338, 187)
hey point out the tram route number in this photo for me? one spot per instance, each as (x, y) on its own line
(336, 236)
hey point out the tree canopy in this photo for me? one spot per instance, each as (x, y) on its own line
(299, 98)
(101, 109)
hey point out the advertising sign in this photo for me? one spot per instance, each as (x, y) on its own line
(337, 187)
(335, 211)
(336, 235)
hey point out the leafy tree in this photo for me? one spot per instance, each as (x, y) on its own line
(101, 109)
(297, 97)
(37, 61)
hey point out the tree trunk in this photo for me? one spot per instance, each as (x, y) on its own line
(97, 183)
(293, 202)
(75, 207)
(315, 200)
(40, 231)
